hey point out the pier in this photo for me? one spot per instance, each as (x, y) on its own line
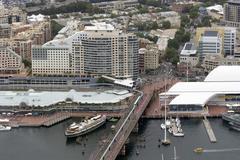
(209, 130)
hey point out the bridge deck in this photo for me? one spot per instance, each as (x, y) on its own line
(111, 148)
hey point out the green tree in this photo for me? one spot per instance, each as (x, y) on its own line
(55, 27)
(173, 43)
(185, 21)
(193, 13)
(27, 63)
(206, 21)
(171, 55)
(166, 25)
(186, 37)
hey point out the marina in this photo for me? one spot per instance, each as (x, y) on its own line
(145, 142)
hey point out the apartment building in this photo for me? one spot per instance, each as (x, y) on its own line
(23, 36)
(11, 15)
(99, 49)
(10, 62)
(151, 56)
(232, 13)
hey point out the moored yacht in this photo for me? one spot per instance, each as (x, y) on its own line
(5, 128)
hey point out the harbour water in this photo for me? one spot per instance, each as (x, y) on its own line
(51, 144)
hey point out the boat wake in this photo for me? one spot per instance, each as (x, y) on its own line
(221, 150)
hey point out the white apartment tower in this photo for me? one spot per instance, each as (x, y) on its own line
(99, 49)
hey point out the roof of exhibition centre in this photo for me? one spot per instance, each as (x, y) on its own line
(222, 80)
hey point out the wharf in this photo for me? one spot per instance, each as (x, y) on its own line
(52, 119)
(209, 130)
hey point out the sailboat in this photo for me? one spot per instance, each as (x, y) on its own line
(165, 141)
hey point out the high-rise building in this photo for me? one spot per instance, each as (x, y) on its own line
(232, 13)
(99, 49)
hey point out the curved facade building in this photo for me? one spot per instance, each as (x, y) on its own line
(99, 49)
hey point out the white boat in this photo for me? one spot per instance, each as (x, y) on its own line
(4, 120)
(170, 130)
(5, 128)
(163, 126)
(178, 134)
(168, 123)
(86, 126)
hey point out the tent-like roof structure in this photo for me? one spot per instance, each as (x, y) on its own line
(222, 80)
(45, 98)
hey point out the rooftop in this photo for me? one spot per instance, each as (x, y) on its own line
(100, 27)
(222, 80)
(45, 98)
(210, 33)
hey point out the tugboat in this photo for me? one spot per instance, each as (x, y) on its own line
(84, 127)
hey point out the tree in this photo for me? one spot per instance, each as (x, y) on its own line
(27, 63)
(186, 37)
(171, 55)
(185, 21)
(194, 12)
(166, 25)
(55, 27)
(173, 43)
(206, 21)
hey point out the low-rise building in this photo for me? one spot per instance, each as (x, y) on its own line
(115, 5)
(189, 54)
(149, 57)
(211, 62)
(182, 7)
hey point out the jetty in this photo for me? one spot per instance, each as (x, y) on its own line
(209, 130)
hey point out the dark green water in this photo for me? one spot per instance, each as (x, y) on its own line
(51, 144)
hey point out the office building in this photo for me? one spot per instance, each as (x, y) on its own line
(210, 43)
(226, 36)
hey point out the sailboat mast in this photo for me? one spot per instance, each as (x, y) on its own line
(175, 154)
(165, 113)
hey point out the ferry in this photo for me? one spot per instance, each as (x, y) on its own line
(233, 120)
(84, 127)
(5, 128)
